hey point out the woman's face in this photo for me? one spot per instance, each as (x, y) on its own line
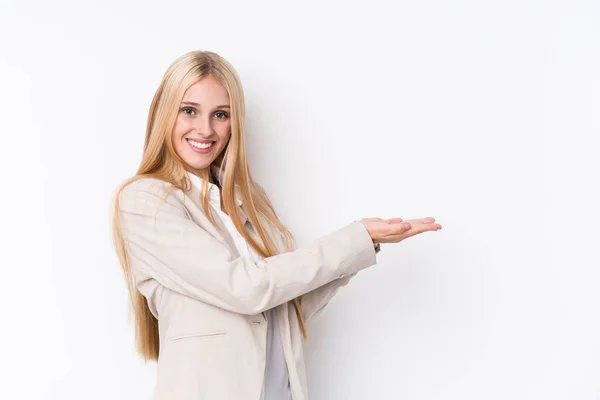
(203, 123)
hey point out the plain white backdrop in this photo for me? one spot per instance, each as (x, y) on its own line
(482, 114)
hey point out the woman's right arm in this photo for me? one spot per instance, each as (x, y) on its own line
(165, 244)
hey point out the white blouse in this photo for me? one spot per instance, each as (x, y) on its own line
(276, 383)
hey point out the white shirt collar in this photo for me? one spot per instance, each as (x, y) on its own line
(213, 190)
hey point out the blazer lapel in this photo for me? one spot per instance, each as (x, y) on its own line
(222, 233)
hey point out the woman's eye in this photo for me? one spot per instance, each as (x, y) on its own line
(221, 115)
(188, 109)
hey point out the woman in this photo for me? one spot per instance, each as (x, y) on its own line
(219, 293)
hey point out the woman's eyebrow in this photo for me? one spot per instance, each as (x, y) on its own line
(191, 103)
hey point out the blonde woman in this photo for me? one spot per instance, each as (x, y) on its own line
(219, 293)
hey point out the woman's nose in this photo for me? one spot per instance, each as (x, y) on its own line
(203, 125)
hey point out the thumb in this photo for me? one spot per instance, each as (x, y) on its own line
(394, 220)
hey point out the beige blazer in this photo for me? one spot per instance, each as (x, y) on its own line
(209, 302)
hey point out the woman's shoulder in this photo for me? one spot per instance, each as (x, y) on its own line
(133, 185)
(138, 188)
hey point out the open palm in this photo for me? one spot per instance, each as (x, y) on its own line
(394, 230)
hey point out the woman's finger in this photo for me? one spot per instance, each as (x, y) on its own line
(397, 228)
(420, 228)
(426, 220)
(394, 220)
(414, 230)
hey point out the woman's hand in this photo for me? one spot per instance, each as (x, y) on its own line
(395, 230)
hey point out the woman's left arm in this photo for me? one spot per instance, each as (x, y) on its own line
(314, 301)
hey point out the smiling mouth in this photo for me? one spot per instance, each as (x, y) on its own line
(199, 145)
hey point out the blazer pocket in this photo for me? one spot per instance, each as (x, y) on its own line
(209, 334)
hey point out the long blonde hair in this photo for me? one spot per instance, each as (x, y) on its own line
(161, 161)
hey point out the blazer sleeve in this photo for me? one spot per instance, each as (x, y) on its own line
(314, 301)
(166, 245)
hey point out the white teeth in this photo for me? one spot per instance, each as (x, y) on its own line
(200, 145)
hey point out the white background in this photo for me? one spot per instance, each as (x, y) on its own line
(482, 114)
